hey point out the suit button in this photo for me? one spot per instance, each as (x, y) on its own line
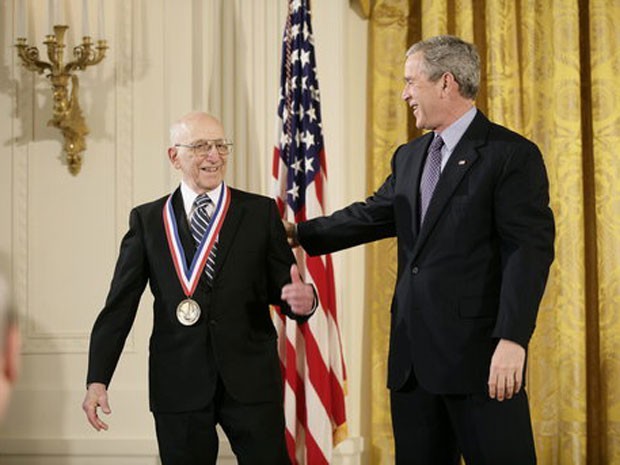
(415, 270)
(213, 323)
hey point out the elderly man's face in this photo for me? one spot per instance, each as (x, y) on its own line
(203, 170)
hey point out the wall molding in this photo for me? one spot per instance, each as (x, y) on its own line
(36, 338)
(348, 452)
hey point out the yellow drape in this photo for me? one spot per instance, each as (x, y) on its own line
(388, 128)
(550, 72)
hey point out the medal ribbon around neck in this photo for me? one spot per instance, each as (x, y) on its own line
(189, 277)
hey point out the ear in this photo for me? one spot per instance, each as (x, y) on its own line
(173, 155)
(11, 354)
(448, 83)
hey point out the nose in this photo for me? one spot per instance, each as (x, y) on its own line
(404, 94)
(212, 153)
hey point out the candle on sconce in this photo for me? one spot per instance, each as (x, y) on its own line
(59, 16)
(85, 19)
(21, 19)
(51, 11)
(101, 21)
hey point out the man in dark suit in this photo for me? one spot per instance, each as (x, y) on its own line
(475, 242)
(215, 258)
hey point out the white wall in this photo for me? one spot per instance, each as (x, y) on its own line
(59, 234)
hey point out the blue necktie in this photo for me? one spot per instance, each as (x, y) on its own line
(430, 175)
(198, 224)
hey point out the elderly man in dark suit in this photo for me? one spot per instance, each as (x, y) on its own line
(469, 205)
(215, 258)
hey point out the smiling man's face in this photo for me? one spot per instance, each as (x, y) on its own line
(201, 172)
(424, 97)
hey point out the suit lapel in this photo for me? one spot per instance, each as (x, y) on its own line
(228, 231)
(460, 162)
(187, 241)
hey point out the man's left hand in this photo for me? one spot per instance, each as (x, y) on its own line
(506, 373)
(298, 295)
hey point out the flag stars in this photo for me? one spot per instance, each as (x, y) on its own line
(315, 94)
(295, 30)
(284, 140)
(311, 114)
(294, 57)
(294, 192)
(300, 105)
(308, 139)
(297, 166)
(305, 58)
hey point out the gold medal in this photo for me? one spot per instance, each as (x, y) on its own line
(188, 312)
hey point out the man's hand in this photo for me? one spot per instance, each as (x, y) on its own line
(298, 295)
(96, 396)
(506, 373)
(291, 233)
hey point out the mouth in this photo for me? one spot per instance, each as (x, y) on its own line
(210, 169)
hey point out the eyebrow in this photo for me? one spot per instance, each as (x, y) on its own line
(203, 141)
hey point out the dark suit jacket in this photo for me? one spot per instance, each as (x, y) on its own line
(474, 272)
(234, 336)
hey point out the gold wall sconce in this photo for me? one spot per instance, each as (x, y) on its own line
(67, 113)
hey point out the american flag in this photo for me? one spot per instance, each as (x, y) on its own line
(310, 353)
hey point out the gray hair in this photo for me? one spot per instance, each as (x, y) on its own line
(449, 54)
(175, 130)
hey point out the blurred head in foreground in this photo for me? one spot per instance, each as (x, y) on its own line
(9, 346)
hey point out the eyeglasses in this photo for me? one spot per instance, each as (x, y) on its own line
(203, 147)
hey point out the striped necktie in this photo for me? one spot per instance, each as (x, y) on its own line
(430, 175)
(198, 224)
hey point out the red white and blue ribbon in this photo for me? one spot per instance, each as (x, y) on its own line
(189, 276)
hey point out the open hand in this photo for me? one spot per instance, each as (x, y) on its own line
(96, 396)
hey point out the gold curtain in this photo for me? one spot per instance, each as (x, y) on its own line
(550, 72)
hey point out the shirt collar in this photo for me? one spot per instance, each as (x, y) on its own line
(453, 133)
(189, 196)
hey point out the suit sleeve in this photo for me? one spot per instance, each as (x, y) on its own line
(359, 223)
(526, 228)
(116, 319)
